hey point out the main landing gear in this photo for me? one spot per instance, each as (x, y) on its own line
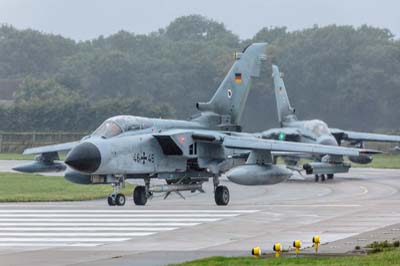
(328, 176)
(142, 193)
(221, 193)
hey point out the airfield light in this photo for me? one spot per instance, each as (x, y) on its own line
(297, 246)
(256, 252)
(281, 136)
(316, 242)
(277, 249)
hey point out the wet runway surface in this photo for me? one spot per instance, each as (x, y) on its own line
(175, 230)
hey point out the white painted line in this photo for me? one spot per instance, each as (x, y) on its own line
(316, 205)
(47, 245)
(121, 215)
(111, 225)
(364, 190)
(77, 240)
(108, 220)
(79, 229)
(123, 211)
(79, 234)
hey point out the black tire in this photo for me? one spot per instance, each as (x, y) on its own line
(322, 178)
(330, 176)
(316, 178)
(221, 196)
(111, 200)
(120, 200)
(139, 195)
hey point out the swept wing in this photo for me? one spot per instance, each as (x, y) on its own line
(360, 136)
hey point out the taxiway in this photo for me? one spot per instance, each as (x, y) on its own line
(176, 230)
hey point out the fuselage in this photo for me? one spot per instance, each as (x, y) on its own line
(313, 131)
(126, 145)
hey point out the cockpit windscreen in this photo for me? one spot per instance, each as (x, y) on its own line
(317, 127)
(107, 130)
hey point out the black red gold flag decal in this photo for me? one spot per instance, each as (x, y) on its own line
(238, 77)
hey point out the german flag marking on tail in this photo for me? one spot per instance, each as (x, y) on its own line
(238, 77)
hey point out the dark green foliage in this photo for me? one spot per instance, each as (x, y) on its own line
(30, 52)
(377, 247)
(47, 105)
(349, 77)
(346, 76)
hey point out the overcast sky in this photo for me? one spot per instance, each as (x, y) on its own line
(87, 19)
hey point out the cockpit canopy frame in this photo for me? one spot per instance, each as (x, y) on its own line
(117, 125)
(317, 127)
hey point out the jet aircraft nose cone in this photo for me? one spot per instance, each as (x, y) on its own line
(84, 158)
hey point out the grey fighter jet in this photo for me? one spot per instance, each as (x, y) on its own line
(183, 153)
(317, 132)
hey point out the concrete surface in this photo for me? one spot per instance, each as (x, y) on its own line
(176, 230)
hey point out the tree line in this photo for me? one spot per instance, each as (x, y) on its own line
(348, 76)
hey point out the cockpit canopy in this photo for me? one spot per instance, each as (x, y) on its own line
(119, 124)
(317, 127)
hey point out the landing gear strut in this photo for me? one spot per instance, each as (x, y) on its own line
(117, 198)
(221, 193)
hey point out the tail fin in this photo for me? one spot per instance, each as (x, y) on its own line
(230, 98)
(285, 111)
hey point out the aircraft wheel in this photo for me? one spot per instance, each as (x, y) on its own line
(139, 195)
(221, 196)
(330, 176)
(120, 200)
(316, 178)
(322, 178)
(111, 200)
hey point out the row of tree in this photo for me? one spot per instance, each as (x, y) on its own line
(348, 76)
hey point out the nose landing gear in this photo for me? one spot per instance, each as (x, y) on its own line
(116, 198)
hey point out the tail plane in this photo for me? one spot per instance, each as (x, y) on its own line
(285, 111)
(230, 98)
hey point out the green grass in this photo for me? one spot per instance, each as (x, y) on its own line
(376, 247)
(383, 161)
(31, 187)
(19, 156)
(383, 258)
(391, 161)
(15, 156)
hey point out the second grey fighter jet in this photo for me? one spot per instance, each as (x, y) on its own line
(317, 132)
(183, 153)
